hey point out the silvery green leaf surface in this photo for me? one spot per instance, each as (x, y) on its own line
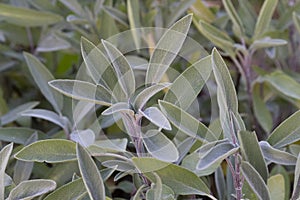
(32, 188)
(166, 50)
(19, 135)
(74, 6)
(52, 42)
(276, 187)
(220, 183)
(117, 145)
(296, 188)
(4, 157)
(234, 17)
(118, 107)
(296, 20)
(159, 146)
(179, 10)
(267, 42)
(188, 84)
(42, 76)
(133, 10)
(90, 174)
(83, 137)
(116, 14)
(155, 116)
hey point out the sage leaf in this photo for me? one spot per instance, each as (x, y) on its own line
(296, 188)
(4, 157)
(276, 187)
(155, 116)
(19, 135)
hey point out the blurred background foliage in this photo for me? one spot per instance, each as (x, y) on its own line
(263, 59)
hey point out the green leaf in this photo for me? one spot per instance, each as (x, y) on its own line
(18, 135)
(189, 83)
(90, 174)
(277, 156)
(227, 97)
(118, 107)
(51, 151)
(287, 132)
(159, 146)
(296, 188)
(214, 157)
(83, 137)
(255, 181)
(32, 188)
(70, 190)
(296, 20)
(166, 49)
(155, 116)
(52, 42)
(261, 112)
(14, 114)
(264, 17)
(74, 6)
(47, 115)
(252, 153)
(284, 84)
(156, 191)
(235, 18)
(118, 145)
(133, 10)
(27, 17)
(220, 183)
(100, 69)
(216, 36)
(116, 14)
(266, 42)
(82, 90)
(122, 67)
(142, 98)
(178, 11)
(276, 187)
(186, 123)
(42, 76)
(179, 179)
(278, 169)
(4, 157)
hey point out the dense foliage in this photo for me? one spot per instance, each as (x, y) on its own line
(149, 99)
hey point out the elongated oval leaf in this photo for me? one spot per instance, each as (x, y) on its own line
(296, 188)
(264, 17)
(4, 157)
(51, 151)
(32, 188)
(142, 98)
(252, 153)
(266, 43)
(18, 135)
(122, 67)
(186, 123)
(155, 116)
(296, 20)
(276, 187)
(116, 14)
(42, 76)
(27, 17)
(287, 132)
(82, 90)
(216, 155)
(166, 49)
(159, 146)
(187, 85)
(179, 179)
(14, 114)
(133, 10)
(90, 174)
(47, 115)
(235, 18)
(100, 69)
(70, 191)
(276, 155)
(118, 107)
(255, 181)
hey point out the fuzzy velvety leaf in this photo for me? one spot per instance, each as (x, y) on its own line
(42, 76)
(235, 18)
(185, 122)
(252, 153)
(32, 188)
(142, 98)
(83, 137)
(187, 85)
(179, 179)
(276, 187)
(133, 10)
(18, 135)
(220, 183)
(118, 145)
(27, 17)
(277, 156)
(70, 190)
(52, 42)
(264, 17)
(51, 151)
(118, 107)
(255, 181)
(122, 67)
(74, 6)
(287, 132)
(47, 115)
(116, 14)
(267, 42)
(178, 11)
(296, 188)
(159, 146)
(4, 157)
(14, 114)
(90, 174)
(100, 69)
(155, 116)
(166, 49)
(82, 90)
